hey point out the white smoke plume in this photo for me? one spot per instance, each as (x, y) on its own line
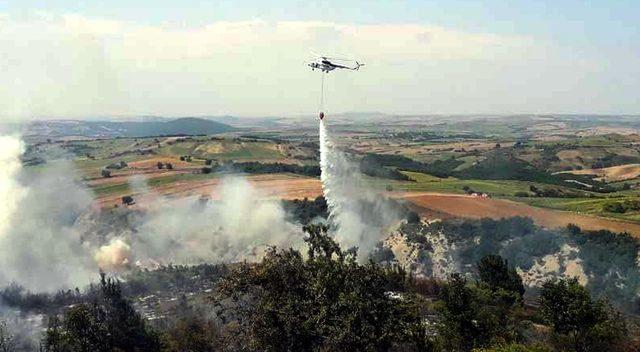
(10, 191)
(49, 241)
(22, 331)
(114, 257)
(39, 246)
(361, 217)
(237, 224)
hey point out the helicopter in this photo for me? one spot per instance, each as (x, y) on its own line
(324, 64)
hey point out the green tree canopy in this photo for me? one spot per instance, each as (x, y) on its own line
(326, 301)
(495, 272)
(110, 323)
(588, 325)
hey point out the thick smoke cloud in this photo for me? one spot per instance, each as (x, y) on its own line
(361, 217)
(39, 245)
(115, 256)
(52, 236)
(22, 332)
(238, 224)
(10, 192)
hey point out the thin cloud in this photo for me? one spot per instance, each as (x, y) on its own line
(73, 66)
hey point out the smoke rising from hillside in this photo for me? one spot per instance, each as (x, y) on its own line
(48, 242)
(360, 216)
(115, 256)
(24, 329)
(39, 245)
(10, 191)
(237, 225)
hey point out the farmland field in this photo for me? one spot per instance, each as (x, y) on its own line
(577, 168)
(476, 207)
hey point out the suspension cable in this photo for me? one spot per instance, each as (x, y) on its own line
(321, 107)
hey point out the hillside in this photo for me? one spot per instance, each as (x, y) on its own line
(111, 129)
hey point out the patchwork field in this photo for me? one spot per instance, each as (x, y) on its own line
(578, 170)
(279, 186)
(613, 173)
(476, 207)
(445, 198)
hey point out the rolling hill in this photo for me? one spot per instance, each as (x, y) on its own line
(111, 129)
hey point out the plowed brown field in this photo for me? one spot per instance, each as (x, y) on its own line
(477, 207)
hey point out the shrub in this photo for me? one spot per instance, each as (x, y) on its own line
(127, 200)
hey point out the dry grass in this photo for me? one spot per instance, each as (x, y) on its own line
(147, 168)
(613, 173)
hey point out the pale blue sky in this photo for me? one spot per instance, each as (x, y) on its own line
(599, 22)
(586, 52)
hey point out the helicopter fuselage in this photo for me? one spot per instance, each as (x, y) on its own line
(323, 66)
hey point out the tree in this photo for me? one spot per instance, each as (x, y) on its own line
(191, 331)
(160, 165)
(108, 324)
(169, 166)
(6, 339)
(192, 334)
(495, 272)
(474, 316)
(614, 207)
(326, 302)
(413, 218)
(458, 327)
(587, 324)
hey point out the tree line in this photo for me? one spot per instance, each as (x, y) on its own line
(325, 300)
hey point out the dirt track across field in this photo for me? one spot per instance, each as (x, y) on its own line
(477, 207)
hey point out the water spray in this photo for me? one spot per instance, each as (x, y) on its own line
(358, 217)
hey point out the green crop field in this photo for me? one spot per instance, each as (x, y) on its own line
(591, 206)
(110, 189)
(224, 150)
(428, 183)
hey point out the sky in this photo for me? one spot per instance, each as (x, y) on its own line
(118, 58)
